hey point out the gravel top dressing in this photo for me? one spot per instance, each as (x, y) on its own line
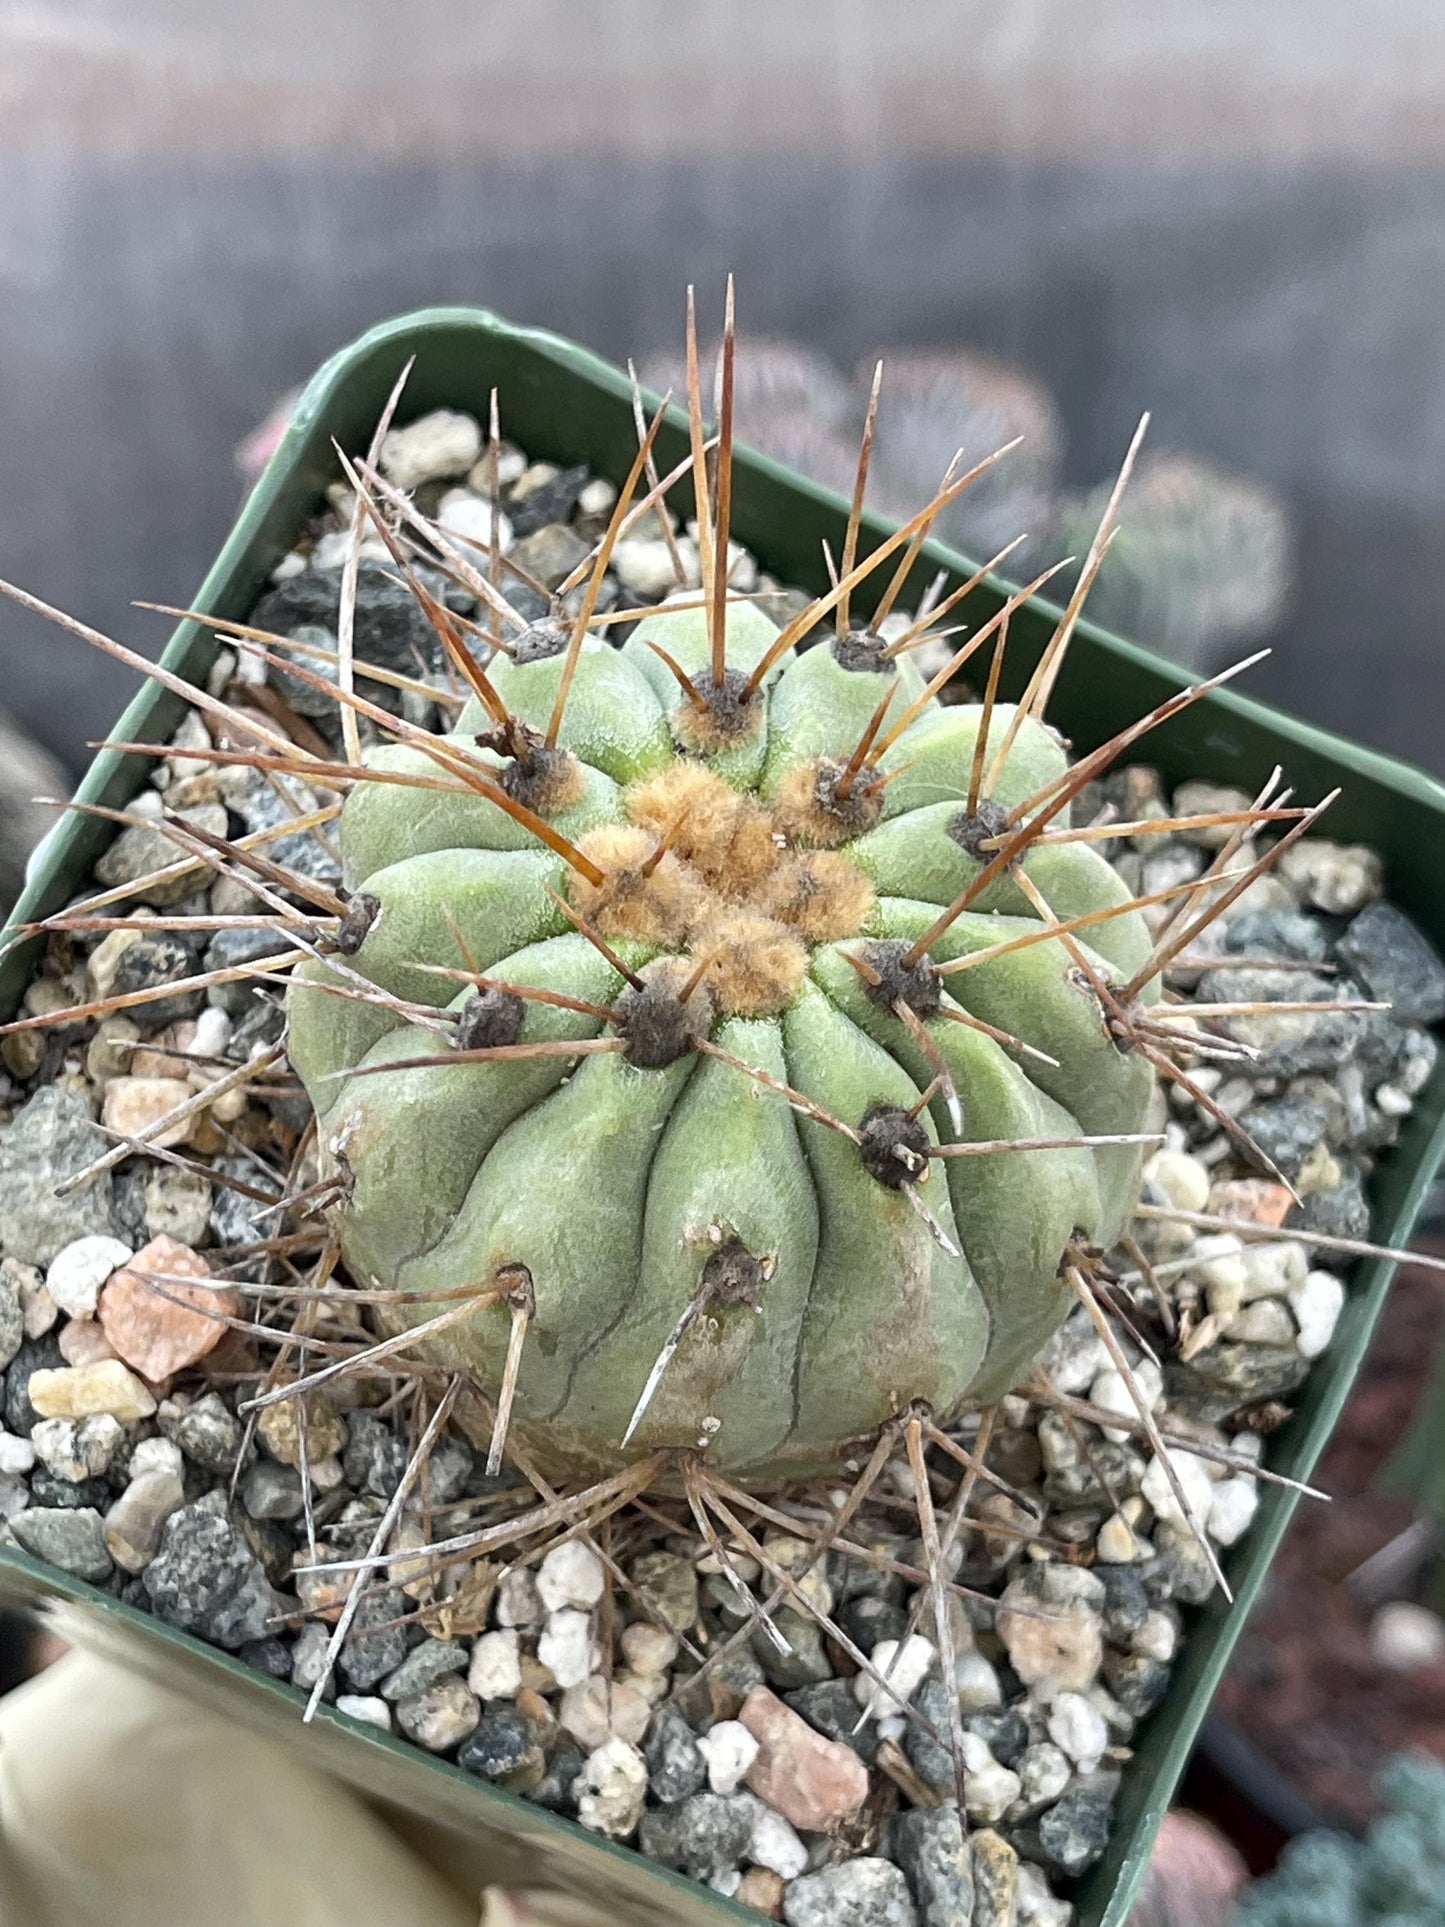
(780, 1655)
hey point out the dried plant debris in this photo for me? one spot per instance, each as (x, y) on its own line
(1001, 1126)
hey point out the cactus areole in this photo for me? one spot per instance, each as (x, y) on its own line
(689, 1027)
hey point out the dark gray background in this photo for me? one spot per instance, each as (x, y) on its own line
(1237, 221)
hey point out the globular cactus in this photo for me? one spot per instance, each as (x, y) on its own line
(687, 1125)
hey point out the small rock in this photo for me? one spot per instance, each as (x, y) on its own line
(668, 1583)
(1065, 1646)
(82, 1342)
(1255, 1200)
(435, 446)
(1404, 1636)
(149, 963)
(903, 1668)
(806, 1660)
(441, 1716)
(977, 1683)
(550, 553)
(210, 1435)
(1192, 1476)
(206, 1579)
(1396, 964)
(177, 1205)
(675, 1764)
(1339, 1211)
(12, 1317)
(1078, 1729)
(134, 1106)
(279, 1431)
(1197, 798)
(704, 1836)
(860, 1893)
(566, 1646)
(995, 1867)
(929, 1845)
(644, 565)
(308, 1658)
(160, 1335)
(360, 1706)
(1044, 1771)
(50, 1139)
(134, 1524)
(831, 1707)
(612, 1788)
(17, 1455)
(518, 1603)
(1179, 1180)
(469, 521)
(989, 1789)
(648, 1650)
(269, 1656)
(763, 1891)
(77, 1448)
(1038, 1906)
(570, 1575)
(423, 1666)
(595, 1710)
(544, 495)
(73, 1539)
(811, 1781)
(77, 1391)
(773, 1843)
(38, 1310)
(562, 1769)
(1137, 1682)
(273, 1491)
(140, 850)
(375, 1647)
(78, 1271)
(1232, 1507)
(496, 1668)
(729, 1750)
(1075, 1830)
(1336, 877)
(374, 1459)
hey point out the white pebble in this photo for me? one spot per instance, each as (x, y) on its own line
(989, 1788)
(645, 567)
(1316, 1304)
(332, 549)
(77, 1449)
(1079, 1729)
(1404, 1636)
(597, 497)
(904, 1668)
(213, 1032)
(1117, 1543)
(566, 1647)
(360, 1706)
(612, 1788)
(1232, 1509)
(156, 1455)
(292, 563)
(1155, 1637)
(469, 516)
(978, 1687)
(1273, 1270)
(729, 1749)
(1194, 1479)
(570, 1575)
(496, 1669)
(775, 1845)
(436, 445)
(595, 1711)
(518, 1603)
(77, 1273)
(1394, 1102)
(1182, 1179)
(1038, 1905)
(17, 1455)
(1111, 1391)
(649, 1650)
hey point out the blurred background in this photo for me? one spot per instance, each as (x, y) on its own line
(1232, 216)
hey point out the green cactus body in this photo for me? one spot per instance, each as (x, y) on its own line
(675, 1222)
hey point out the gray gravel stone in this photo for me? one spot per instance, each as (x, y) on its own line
(206, 1579)
(373, 1649)
(229, 948)
(1137, 1682)
(832, 1708)
(804, 1664)
(504, 1743)
(35, 1355)
(139, 851)
(52, 1138)
(705, 1835)
(72, 1540)
(1073, 1832)
(675, 1766)
(929, 1845)
(1396, 964)
(556, 1789)
(374, 1459)
(270, 1656)
(208, 1433)
(12, 1320)
(146, 964)
(1342, 1211)
(1276, 933)
(440, 1717)
(859, 1893)
(272, 1491)
(423, 1666)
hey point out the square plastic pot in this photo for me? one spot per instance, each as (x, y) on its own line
(565, 405)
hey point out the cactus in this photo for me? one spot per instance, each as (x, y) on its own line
(704, 970)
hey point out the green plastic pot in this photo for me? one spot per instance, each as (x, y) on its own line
(566, 405)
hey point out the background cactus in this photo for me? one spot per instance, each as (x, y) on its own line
(699, 1060)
